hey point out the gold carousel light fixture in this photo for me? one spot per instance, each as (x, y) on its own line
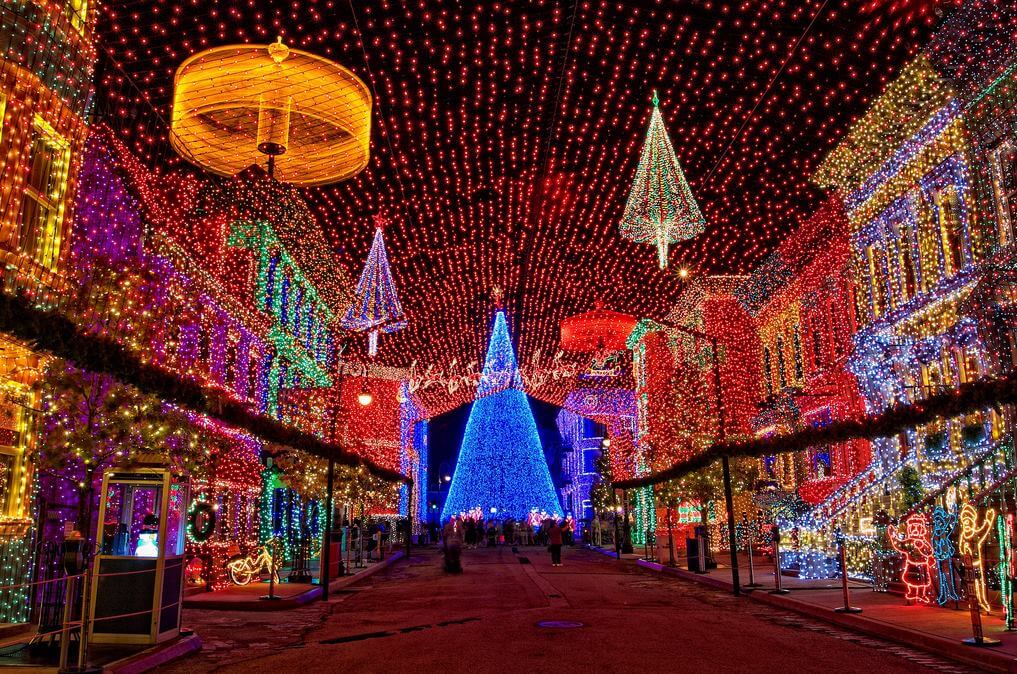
(234, 105)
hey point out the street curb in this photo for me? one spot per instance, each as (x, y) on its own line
(154, 657)
(296, 601)
(345, 581)
(607, 552)
(954, 650)
(13, 630)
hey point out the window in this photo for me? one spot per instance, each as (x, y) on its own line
(229, 375)
(768, 370)
(877, 296)
(817, 344)
(970, 366)
(1004, 182)
(204, 346)
(77, 12)
(951, 231)
(796, 344)
(905, 262)
(252, 375)
(42, 207)
(7, 486)
(273, 265)
(284, 301)
(781, 363)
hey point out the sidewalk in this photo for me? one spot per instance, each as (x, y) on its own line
(932, 628)
(291, 595)
(110, 659)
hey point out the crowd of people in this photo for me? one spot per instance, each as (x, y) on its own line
(471, 533)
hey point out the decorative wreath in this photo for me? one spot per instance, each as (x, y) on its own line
(203, 512)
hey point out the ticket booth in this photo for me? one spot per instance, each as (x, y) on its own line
(138, 573)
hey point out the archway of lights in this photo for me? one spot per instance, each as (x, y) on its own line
(505, 139)
(505, 142)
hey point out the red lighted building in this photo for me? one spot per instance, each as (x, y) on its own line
(800, 301)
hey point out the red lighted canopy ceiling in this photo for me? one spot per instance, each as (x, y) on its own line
(506, 135)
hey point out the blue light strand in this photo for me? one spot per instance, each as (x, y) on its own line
(501, 467)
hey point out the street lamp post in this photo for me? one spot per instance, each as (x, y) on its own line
(325, 560)
(721, 437)
(325, 572)
(626, 527)
(617, 534)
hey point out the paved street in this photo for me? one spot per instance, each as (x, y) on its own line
(604, 616)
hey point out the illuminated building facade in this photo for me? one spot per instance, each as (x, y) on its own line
(581, 445)
(925, 179)
(675, 393)
(802, 306)
(45, 94)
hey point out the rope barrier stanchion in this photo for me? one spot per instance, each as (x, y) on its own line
(65, 629)
(776, 563)
(73, 560)
(271, 596)
(978, 638)
(847, 607)
(86, 589)
(752, 584)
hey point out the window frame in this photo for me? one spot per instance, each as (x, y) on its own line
(1004, 209)
(48, 240)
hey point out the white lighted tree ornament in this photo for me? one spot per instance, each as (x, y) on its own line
(376, 307)
(660, 208)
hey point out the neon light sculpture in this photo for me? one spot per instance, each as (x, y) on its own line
(660, 208)
(501, 463)
(972, 538)
(376, 307)
(918, 556)
(943, 524)
(1007, 565)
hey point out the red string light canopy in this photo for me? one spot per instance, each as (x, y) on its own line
(506, 135)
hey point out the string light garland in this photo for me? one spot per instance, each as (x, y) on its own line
(460, 151)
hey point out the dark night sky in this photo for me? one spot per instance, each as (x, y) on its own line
(446, 434)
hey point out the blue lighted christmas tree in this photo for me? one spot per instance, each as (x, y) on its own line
(376, 307)
(501, 463)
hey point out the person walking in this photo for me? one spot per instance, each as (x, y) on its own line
(452, 544)
(471, 534)
(554, 541)
(492, 534)
(597, 540)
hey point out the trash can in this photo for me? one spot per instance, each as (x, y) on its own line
(692, 555)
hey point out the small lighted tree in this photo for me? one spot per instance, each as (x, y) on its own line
(671, 495)
(601, 494)
(93, 422)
